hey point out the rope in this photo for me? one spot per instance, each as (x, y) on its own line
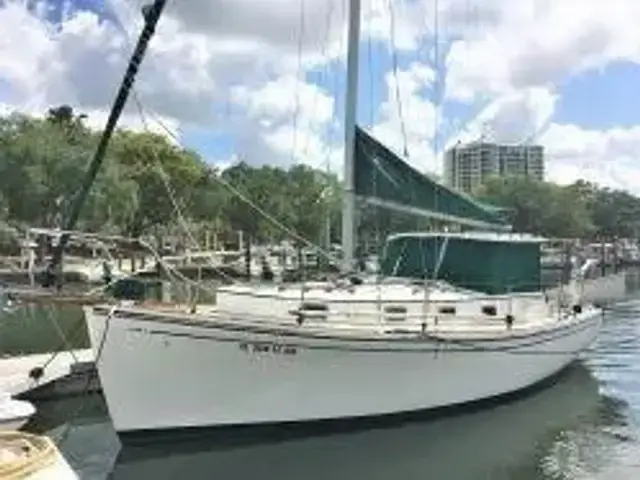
(66, 344)
(158, 165)
(171, 194)
(325, 253)
(69, 425)
(231, 188)
(33, 454)
(262, 212)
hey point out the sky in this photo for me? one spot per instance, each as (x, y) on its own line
(264, 81)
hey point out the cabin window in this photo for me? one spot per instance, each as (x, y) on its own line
(314, 311)
(490, 310)
(447, 310)
(395, 313)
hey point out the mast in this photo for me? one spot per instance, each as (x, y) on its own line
(351, 104)
(151, 14)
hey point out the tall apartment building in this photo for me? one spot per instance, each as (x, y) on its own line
(467, 166)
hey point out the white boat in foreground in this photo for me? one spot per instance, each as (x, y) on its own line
(320, 351)
(32, 457)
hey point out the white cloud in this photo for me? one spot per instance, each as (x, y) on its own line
(233, 66)
(415, 129)
(516, 117)
(290, 117)
(516, 63)
(540, 42)
(286, 98)
(200, 66)
(607, 157)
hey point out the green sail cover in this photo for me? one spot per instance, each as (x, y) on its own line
(383, 179)
(477, 262)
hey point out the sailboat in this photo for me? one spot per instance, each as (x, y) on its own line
(457, 318)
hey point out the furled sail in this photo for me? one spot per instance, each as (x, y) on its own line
(384, 179)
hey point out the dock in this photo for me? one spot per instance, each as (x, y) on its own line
(65, 373)
(600, 290)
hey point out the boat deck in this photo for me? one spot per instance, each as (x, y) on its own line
(450, 327)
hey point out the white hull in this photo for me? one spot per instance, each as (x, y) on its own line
(158, 373)
(14, 414)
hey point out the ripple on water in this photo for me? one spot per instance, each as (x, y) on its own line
(586, 452)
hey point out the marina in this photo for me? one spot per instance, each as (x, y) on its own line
(69, 408)
(165, 313)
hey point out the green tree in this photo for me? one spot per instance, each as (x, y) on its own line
(614, 213)
(208, 200)
(308, 193)
(165, 177)
(41, 168)
(539, 207)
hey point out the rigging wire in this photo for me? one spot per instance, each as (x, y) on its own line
(172, 198)
(436, 113)
(164, 175)
(394, 62)
(69, 425)
(370, 69)
(437, 93)
(332, 131)
(324, 72)
(151, 13)
(296, 111)
(218, 178)
(372, 96)
(325, 253)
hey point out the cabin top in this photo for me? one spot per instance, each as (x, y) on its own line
(479, 236)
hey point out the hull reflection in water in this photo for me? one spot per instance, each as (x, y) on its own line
(491, 443)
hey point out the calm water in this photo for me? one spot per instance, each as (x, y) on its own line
(585, 426)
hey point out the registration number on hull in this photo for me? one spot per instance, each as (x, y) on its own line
(268, 347)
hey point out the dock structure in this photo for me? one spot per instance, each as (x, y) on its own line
(600, 290)
(47, 375)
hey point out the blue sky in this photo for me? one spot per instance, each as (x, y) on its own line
(576, 79)
(601, 98)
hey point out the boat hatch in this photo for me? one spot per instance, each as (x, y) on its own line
(489, 310)
(447, 310)
(314, 311)
(395, 313)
